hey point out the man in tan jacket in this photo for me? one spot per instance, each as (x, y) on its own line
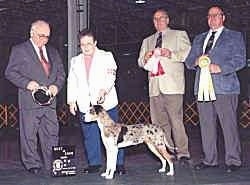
(165, 51)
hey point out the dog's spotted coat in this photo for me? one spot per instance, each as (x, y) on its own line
(116, 136)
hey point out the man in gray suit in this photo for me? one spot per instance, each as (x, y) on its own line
(169, 48)
(227, 53)
(33, 64)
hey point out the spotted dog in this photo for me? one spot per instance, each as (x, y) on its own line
(115, 136)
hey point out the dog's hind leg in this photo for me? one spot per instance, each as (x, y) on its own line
(163, 151)
(162, 159)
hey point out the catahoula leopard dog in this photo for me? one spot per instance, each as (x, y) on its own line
(115, 136)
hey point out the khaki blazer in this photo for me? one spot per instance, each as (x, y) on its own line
(173, 81)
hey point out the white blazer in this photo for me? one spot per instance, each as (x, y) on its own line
(102, 75)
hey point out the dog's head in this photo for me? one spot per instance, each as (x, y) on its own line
(93, 113)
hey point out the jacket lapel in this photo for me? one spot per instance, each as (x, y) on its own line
(220, 39)
(203, 37)
(50, 57)
(32, 52)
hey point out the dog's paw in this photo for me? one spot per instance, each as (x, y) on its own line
(162, 170)
(109, 176)
(170, 173)
(103, 174)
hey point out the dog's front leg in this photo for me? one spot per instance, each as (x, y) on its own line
(111, 161)
(105, 141)
(107, 171)
(111, 157)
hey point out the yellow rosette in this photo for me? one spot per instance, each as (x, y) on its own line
(206, 88)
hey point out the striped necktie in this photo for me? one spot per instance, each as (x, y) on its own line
(210, 43)
(159, 41)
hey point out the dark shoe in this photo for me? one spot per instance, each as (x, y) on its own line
(184, 161)
(202, 166)
(232, 168)
(34, 170)
(92, 169)
(120, 170)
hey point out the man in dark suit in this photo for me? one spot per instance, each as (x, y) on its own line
(227, 53)
(33, 64)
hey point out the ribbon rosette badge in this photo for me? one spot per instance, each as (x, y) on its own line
(206, 88)
(204, 61)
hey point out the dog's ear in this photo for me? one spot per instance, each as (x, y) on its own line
(98, 108)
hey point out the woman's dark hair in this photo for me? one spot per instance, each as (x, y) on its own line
(87, 32)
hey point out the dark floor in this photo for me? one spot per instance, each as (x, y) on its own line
(141, 165)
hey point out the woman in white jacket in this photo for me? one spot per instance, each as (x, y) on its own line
(91, 79)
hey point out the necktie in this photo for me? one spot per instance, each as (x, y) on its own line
(44, 62)
(210, 43)
(159, 41)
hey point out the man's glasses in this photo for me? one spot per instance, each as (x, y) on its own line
(41, 35)
(161, 18)
(214, 15)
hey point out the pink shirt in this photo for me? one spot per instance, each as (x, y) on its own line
(88, 61)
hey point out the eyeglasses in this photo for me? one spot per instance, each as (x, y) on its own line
(41, 35)
(161, 18)
(87, 44)
(214, 15)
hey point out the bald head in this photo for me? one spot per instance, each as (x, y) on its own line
(40, 32)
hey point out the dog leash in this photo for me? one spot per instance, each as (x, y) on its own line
(101, 99)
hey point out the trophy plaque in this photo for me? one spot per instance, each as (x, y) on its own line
(63, 161)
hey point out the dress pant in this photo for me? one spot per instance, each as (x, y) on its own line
(92, 140)
(166, 110)
(225, 108)
(36, 123)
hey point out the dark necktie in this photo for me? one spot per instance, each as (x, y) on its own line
(210, 43)
(44, 62)
(159, 41)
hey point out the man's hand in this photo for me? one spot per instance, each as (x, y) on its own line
(53, 89)
(214, 68)
(147, 56)
(32, 85)
(72, 108)
(166, 52)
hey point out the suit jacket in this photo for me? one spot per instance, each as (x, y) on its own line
(24, 65)
(102, 75)
(173, 81)
(229, 52)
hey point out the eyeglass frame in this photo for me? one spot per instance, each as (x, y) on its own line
(41, 36)
(214, 15)
(161, 18)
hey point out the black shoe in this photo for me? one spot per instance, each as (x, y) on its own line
(184, 161)
(120, 170)
(92, 169)
(34, 170)
(202, 166)
(232, 168)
